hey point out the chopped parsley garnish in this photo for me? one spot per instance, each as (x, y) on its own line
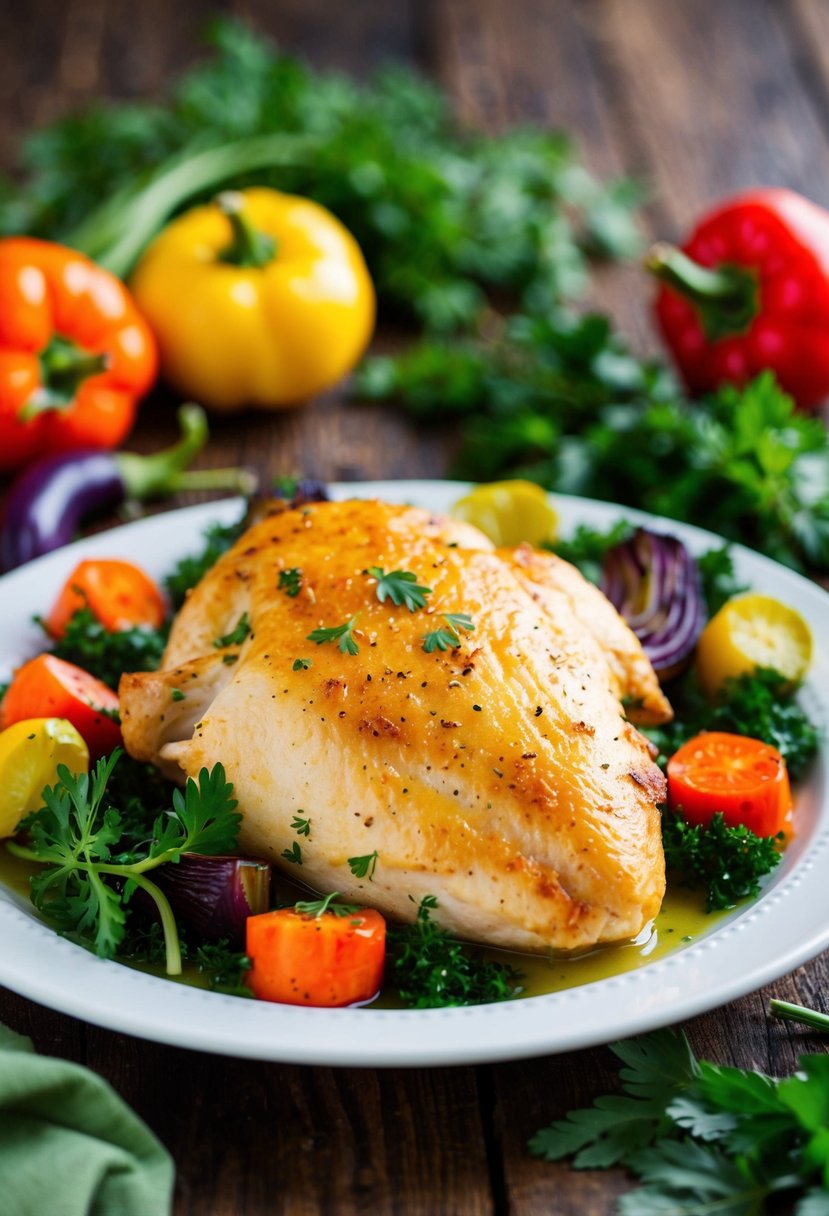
(177, 695)
(290, 581)
(293, 854)
(401, 587)
(301, 826)
(224, 968)
(364, 867)
(236, 635)
(725, 862)
(431, 969)
(341, 634)
(317, 907)
(301, 664)
(448, 638)
(80, 839)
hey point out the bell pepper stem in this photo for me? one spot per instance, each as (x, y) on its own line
(249, 246)
(726, 298)
(63, 368)
(166, 472)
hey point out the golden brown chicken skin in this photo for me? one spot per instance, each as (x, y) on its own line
(499, 775)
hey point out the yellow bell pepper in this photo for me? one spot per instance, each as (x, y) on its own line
(258, 299)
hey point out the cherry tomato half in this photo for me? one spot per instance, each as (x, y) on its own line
(48, 687)
(745, 779)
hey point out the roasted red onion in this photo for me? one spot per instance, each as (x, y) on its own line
(214, 896)
(653, 581)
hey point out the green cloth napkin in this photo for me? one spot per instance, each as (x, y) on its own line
(69, 1146)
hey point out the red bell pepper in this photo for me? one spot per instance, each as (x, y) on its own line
(75, 354)
(749, 290)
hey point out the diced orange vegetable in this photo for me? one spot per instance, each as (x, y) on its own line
(48, 687)
(332, 959)
(743, 778)
(118, 593)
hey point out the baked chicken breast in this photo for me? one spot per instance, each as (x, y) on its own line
(484, 760)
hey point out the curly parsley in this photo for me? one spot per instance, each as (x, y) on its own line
(431, 969)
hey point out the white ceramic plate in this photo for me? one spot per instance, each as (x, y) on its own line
(788, 925)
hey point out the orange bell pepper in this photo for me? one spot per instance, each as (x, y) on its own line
(75, 354)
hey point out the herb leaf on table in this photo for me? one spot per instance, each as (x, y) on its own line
(702, 1137)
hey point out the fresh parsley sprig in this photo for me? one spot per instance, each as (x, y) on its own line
(236, 636)
(318, 907)
(364, 867)
(290, 581)
(448, 638)
(703, 1138)
(87, 880)
(343, 635)
(401, 587)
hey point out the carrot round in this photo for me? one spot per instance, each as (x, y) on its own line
(744, 779)
(48, 687)
(118, 593)
(328, 959)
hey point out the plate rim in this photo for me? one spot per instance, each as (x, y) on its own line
(153, 1008)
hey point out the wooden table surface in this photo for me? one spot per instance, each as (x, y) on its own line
(697, 97)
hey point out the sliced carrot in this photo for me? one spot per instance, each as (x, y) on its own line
(121, 595)
(330, 959)
(745, 779)
(48, 687)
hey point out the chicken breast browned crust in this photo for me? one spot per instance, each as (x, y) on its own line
(499, 775)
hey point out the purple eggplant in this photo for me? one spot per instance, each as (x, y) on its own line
(49, 500)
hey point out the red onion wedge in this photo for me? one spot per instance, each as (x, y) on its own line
(214, 896)
(653, 582)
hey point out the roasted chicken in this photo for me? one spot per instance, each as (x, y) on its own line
(485, 760)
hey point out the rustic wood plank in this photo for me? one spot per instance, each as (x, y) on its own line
(807, 24)
(277, 1140)
(709, 102)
